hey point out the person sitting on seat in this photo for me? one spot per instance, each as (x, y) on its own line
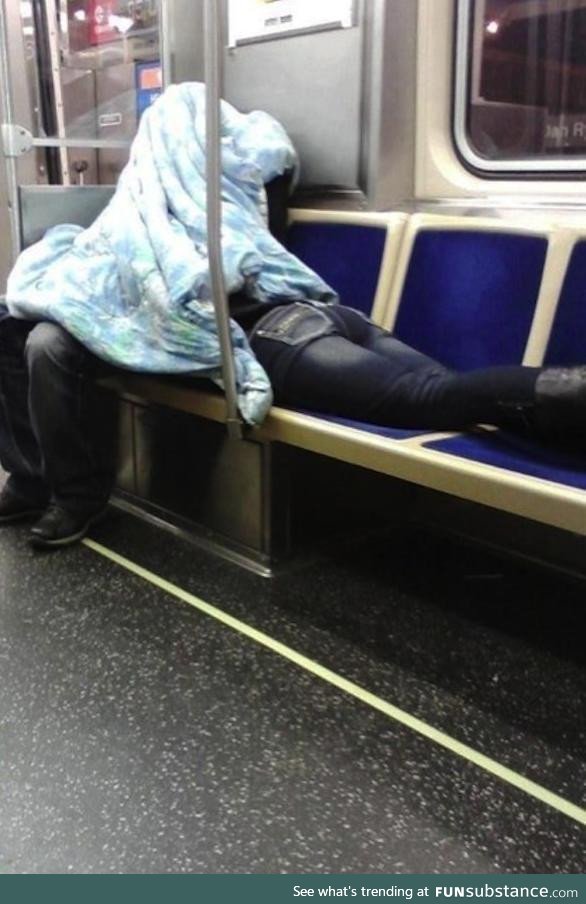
(55, 432)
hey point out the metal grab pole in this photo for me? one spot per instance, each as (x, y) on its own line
(214, 210)
(165, 42)
(7, 113)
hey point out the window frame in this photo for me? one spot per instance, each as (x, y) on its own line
(481, 166)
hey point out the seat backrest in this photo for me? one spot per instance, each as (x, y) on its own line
(355, 253)
(43, 206)
(467, 289)
(567, 344)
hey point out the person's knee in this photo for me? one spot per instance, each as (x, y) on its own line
(48, 345)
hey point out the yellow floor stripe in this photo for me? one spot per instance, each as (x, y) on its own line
(348, 687)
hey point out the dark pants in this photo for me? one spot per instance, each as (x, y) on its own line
(336, 361)
(56, 429)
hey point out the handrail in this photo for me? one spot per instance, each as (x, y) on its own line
(214, 210)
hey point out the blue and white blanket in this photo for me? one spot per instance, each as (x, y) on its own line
(135, 287)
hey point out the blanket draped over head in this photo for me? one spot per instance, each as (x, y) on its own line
(134, 288)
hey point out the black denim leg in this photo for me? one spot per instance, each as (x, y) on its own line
(439, 396)
(77, 464)
(361, 371)
(20, 455)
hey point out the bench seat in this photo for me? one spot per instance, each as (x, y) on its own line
(375, 429)
(501, 450)
(485, 467)
(422, 269)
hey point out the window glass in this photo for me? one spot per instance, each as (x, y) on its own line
(91, 67)
(526, 97)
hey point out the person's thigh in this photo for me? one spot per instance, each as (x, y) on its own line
(346, 373)
(335, 376)
(49, 347)
(360, 330)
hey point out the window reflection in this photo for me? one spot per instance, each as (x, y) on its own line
(528, 79)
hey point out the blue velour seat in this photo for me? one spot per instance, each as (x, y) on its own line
(388, 432)
(469, 296)
(347, 256)
(503, 450)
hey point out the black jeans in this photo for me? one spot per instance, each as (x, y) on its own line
(56, 429)
(334, 360)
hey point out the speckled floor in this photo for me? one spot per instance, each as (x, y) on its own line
(138, 735)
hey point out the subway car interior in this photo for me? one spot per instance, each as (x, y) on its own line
(314, 645)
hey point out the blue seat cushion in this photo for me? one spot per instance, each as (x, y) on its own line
(567, 344)
(347, 257)
(512, 453)
(377, 430)
(469, 297)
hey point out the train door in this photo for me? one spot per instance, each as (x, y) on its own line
(76, 77)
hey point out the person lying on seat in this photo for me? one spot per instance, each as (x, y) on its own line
(332, 359)
(133, 290)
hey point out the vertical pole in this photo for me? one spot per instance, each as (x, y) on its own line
(165, 42)
(214, 209)
(7, 110)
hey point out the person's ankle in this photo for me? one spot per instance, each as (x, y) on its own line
(560, 406)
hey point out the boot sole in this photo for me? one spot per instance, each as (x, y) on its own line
(40, 543)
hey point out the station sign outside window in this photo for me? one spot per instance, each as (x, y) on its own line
(258, 20)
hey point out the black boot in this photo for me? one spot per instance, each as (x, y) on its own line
(560, 407)
(58, 527)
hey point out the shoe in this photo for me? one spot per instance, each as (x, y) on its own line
(15, 508)
(560, 406)
(58, 527)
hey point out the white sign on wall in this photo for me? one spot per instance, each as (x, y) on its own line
(255, 20)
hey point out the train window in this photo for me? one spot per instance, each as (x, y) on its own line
(521, 85)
